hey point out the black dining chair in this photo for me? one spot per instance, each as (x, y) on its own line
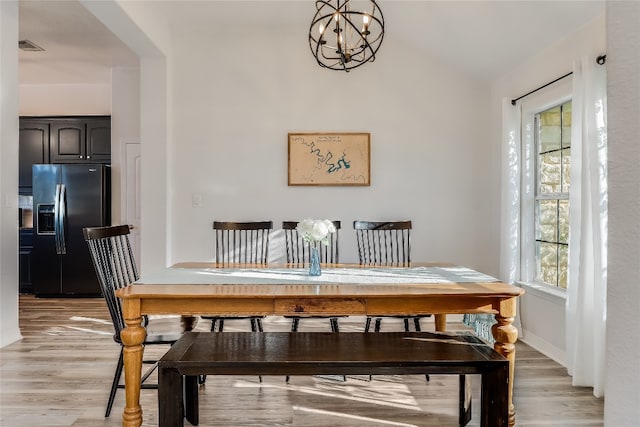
(385, 243)
(116, 268)
(240, 243)
(298, 255)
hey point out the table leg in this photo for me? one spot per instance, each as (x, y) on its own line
(132, 336)
(188, 323)
(441, 322)
(506, 336)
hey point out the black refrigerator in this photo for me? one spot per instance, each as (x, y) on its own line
(67, 198)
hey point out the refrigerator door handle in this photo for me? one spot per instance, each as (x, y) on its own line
(63, 219)
(56, 218)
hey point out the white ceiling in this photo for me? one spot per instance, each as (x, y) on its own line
(483, 37)
(77, 47)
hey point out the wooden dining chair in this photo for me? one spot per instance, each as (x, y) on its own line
(298, 254)
(298, 251)
(116, 268)
(385, 243)
(244, 243)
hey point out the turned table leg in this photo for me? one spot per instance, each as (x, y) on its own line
(506, 336)
(132, 336)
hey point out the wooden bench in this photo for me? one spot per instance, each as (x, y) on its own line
(318, 353)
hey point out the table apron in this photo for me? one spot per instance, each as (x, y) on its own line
(320, 306)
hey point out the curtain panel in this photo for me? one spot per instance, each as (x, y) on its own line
(510, 213)
(587, 290)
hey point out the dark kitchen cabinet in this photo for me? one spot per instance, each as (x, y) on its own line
(33, 149)
(81, 141)
(25, 257)
(67, 141)
(98, 148)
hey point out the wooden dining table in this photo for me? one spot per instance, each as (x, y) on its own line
(192, 289)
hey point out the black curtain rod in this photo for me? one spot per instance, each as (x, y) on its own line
(599, 60)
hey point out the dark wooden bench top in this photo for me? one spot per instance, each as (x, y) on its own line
(306, 353)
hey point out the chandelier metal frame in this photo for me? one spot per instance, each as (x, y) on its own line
(343, 39)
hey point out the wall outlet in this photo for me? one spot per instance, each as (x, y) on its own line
(196, 200)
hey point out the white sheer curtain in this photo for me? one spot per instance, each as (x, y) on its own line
(510, 220)
(587, 289)
(511, 199)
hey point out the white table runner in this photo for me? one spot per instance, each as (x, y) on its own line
(269, 276)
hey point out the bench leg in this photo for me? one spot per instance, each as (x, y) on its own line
(191, 400)
(464, 414)
(495, 398)
(170, 405)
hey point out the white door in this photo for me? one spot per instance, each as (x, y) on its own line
(131, 186)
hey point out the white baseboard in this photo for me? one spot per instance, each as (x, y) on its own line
(544, 347)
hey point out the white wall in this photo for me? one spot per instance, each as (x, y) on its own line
(138, 25)
(231, 110)
(65, 99)
(622, 388)
(125, 127)
(9, 331)
(542, 315)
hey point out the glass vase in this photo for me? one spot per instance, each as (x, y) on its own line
(314, 267)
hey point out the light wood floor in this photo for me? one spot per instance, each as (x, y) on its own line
(60, 374)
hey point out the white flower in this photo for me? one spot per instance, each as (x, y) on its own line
(316, 230)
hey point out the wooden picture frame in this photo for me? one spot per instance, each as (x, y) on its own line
(334, 159)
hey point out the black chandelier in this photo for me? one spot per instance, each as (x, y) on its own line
(342, 38)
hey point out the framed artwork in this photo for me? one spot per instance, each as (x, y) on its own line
(329, 159)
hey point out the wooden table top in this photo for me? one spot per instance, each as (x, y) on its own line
(204, 280)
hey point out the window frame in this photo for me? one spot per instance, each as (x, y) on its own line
(552, 96)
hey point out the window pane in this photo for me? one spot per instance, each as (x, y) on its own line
(566, 170)
(563, 265)
(566, 125)
(547, 220)
(547, 263)
(550, 130)
(550, 172)
(563, 221)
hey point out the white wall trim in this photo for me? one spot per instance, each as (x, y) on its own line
(9, 277)
(544, 347)
(549, 293)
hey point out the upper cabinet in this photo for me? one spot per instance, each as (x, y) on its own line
(62, 140)
(33, 148)
(99, 140)
(81, 141)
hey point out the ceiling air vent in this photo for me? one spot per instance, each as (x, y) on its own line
(29, 46)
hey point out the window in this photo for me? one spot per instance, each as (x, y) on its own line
(551, 216)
